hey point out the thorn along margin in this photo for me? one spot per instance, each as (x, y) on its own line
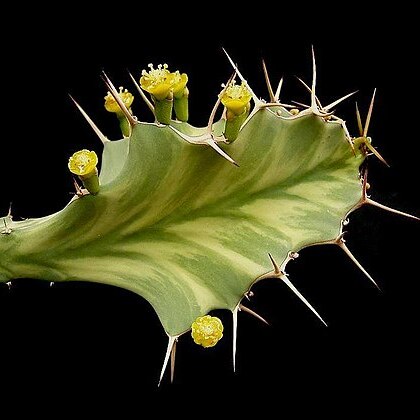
(231, 220)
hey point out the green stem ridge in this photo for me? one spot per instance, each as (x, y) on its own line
(182, 227)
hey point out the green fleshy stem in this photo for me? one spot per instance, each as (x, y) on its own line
(91, 182)
(163, 110)
(233, 125)
(124, 125)
(181, 106)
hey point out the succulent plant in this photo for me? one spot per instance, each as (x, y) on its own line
(191, 218)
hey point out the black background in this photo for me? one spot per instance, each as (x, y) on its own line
(83, 339)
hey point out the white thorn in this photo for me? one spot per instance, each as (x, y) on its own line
(310, 91)
(186, 137)
(343, 98)
(313, 96)
(235, 333)
(118, 99)
(317, 109)
(216, 105)
(390, 209)
(94, 127)
(369, 115)
(254, 96)
(9, 285)
(213, 112)
(205, 139)
(51, 283)
(364, 186)
(171, 342)
(301, 297)
(301, 104)
(7, 230)
(278, 90)
(79, 191)
(9, 214)
(359, 120)
(251, 312)
(346, 131)
(143, 96)
(221, 152)
(173, 353)
(275, 266)
(376, 153)
(268, 82)
(341, 244)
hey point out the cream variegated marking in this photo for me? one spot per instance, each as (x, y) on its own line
(181, 226)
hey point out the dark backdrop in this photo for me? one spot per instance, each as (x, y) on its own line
(109, 341)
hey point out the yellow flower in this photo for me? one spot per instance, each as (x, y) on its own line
(111, 105)
(157, 81)
(83, 163)
(179, 83)
(236, 98)
(161, 83)
(207, 330)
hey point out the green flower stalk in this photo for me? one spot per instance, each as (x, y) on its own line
(181, 94)
(111, 105)
(83, 164)
(236, 100)
(159, 84)
(168, 90)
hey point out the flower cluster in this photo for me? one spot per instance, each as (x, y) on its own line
(207, 330)
(111, 105)
(83, 164)
(167, 89)
(236, 99)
